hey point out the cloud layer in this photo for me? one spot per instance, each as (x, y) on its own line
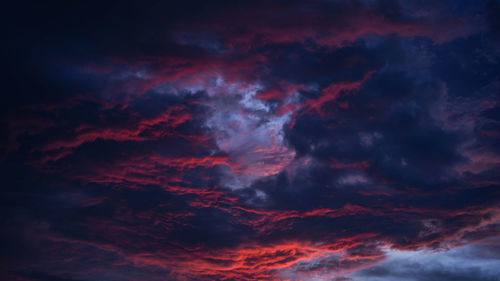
(261, 140)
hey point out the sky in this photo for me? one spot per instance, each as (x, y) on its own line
(318, 140)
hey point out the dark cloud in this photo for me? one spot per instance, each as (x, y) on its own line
(35, 275)
(263, 140)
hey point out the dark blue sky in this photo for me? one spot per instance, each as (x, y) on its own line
(250, 140)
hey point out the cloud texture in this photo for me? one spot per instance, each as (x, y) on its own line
(250, 140)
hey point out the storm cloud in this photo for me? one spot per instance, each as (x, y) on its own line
(250, 140)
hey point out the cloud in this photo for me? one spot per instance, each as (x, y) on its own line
(456, 264)
(271, 140)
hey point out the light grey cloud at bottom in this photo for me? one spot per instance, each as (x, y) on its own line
(477, 262)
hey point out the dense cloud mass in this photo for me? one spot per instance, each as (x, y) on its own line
(250, 140)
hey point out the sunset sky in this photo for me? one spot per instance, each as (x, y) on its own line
(317, 140)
